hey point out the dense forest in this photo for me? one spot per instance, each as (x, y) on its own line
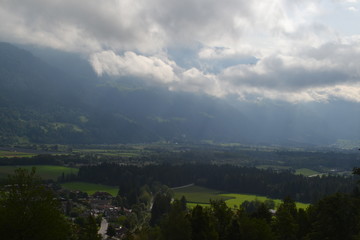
(225, 178)
(334, 217)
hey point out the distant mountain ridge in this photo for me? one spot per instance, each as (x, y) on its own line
(45, 101)
(42, 104)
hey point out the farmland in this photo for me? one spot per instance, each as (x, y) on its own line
(44, 171)
(306, 172)
(198, 195)
(12, 154)
(91, 188)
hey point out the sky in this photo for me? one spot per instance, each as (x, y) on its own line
(295, 50)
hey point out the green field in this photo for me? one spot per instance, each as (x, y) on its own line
(11, 154)
(272, 167)
(126, 153)
(44, 171)
(238, 199)
(90, 188)
(306, 172)
(196, 195)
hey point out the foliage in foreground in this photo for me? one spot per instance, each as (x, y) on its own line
(30, 210)
(334, 217)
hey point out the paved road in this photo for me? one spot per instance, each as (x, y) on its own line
(103, 228)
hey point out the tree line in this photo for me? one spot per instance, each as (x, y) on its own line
(225, 178)
(333, 217)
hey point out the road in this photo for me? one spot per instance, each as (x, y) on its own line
(103, 228)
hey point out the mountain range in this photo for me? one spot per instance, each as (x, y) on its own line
(47, 96)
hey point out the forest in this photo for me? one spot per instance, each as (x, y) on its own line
(334, 217)
(143, 175)
(225, 178)
(30, 208)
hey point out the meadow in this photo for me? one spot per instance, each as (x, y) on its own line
(199, 195)
(12, 154)
(90, 188)
(43, 171)
(306, 172)
(124, 151)
(196, 195)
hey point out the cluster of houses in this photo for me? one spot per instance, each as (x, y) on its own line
(77, 204)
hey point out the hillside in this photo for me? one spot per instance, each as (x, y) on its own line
(42, 104)
(54, 97)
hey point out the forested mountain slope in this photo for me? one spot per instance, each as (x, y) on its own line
(54, 97)
(43, 104)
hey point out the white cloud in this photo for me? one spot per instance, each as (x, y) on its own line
(301, 52)
(130, 63)
(353, 9)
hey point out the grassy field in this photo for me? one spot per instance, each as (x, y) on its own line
(272, 166)
(196, 195)
(44, 171)
(306, 172)
(90, 188)
(126, 153)
(238, 199)
(11, 154)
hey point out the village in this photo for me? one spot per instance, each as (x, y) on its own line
(113, 220)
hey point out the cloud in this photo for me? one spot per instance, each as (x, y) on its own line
(80, 25)
(130, 63)
(282, 49)
(353, 9)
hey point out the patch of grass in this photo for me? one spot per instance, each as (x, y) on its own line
(90, 188)
(196, 195)
(272, 166)
(192, 205)
(43, 171)
(238, 199)
(306, 172)
(111, 152)
(11, 154)
(122, 154)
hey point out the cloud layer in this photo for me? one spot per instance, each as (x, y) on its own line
(290, 50)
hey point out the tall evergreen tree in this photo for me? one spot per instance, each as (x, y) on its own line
(285, 225)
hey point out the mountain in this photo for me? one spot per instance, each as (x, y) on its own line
(42, 103)
(48, 96)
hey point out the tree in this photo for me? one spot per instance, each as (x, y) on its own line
(202, 224)
(223, 215)
(285, 224)
(176, 225)
(111, 231)
(89, 230)
(29, 210)
(161, 206)
(336, 217)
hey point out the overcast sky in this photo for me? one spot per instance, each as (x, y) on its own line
(295, 50)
